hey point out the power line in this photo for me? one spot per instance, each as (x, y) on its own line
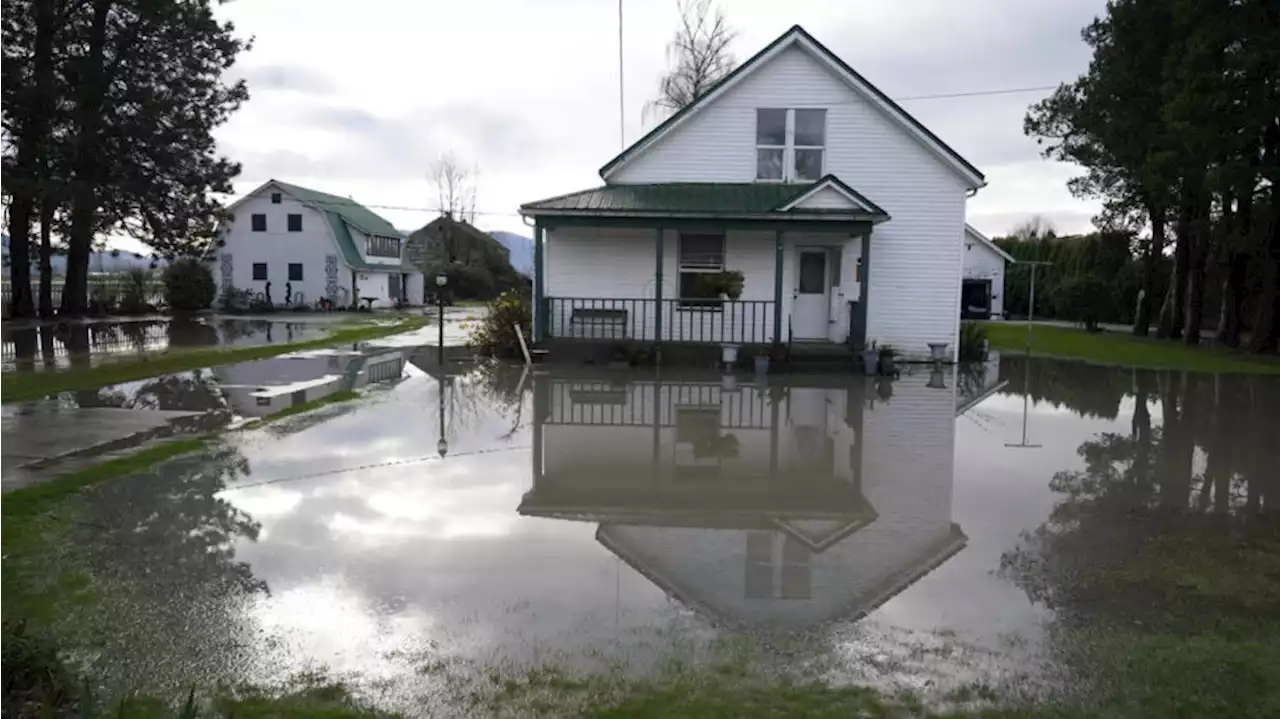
(979, 93)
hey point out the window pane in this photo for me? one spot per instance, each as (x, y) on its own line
(259, 270)
(702, 251)
(811, 128)
(693, 287)
(808, 164)
(295, 223)
(768, 164)
(813, 273)
(295, 271)
(771, 127)
(259, 223)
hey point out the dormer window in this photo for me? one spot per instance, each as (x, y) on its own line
(790, 144)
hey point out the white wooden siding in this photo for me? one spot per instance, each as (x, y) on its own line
(982, 262)
(609, 263)
(828, 198)
(915, 262)
(277, 247)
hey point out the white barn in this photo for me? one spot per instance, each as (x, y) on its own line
(316, 246)
(982, 289)
(843, 214)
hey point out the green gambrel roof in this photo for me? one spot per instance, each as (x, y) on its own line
(343, 213)
(696, 199)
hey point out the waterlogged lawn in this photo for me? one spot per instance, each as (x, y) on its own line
(1125, 350)
(19, 385)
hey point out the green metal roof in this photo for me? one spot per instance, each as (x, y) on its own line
(693, 199)
(343, 213)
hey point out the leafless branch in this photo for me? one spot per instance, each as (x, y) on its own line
(699, 57)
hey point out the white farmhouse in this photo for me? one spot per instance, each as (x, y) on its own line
(843, 214)
(309, 245)
(982, 290)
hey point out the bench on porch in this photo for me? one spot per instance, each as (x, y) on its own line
(598, 323)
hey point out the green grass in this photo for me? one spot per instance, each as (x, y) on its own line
(1114, 348)
(38, 583)
(25, 385)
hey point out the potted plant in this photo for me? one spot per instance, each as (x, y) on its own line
(726, 284)
(870, 359)
(887, 356)
(729, 354)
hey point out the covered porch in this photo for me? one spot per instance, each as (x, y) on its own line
(648, 263)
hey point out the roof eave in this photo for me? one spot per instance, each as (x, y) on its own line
(874, 218)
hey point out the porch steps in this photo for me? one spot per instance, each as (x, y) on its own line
(822, 357)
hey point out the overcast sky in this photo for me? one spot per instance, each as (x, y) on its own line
(357, 99)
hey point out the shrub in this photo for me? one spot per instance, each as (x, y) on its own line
(973, 342)
(1083, 298)
(495, 335)
(188, 285)
(134, 292)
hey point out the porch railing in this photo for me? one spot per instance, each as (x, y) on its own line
(692, 321)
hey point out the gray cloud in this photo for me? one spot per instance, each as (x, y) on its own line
(1064, 222)
(293, 78)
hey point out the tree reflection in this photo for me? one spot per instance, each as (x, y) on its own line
(1165, 526)
(170, 532)
(1089, 390)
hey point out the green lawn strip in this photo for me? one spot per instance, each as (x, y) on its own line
(18, 386)
(38, 583)
(342, 395)
(1114, 348)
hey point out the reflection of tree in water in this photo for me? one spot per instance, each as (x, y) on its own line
(1165, 525)
(191, 333)
(490, 388)
(1090, 390)
(162, 547)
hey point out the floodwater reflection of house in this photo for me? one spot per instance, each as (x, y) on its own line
(785, 504)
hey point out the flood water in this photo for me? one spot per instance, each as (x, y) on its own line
(56, 346)
(918, 533)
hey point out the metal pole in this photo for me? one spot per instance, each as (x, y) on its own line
(440, 347)
(1031, 307)
(622, 113)
(1026, 395)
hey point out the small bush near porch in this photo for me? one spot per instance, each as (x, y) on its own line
(495, 335)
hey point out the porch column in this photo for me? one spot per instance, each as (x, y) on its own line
(658, 241)
(864, 291)
(539, 286)
(777, 288)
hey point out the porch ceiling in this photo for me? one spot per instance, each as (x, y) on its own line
(697, 200)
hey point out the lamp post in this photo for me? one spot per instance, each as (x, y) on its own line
(441, 280)
(442, 445)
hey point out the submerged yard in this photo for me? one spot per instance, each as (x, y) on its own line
(849, 552)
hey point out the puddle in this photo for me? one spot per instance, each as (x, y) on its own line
(921, 533)
(63, 345)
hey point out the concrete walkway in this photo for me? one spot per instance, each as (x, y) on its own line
(40, 437)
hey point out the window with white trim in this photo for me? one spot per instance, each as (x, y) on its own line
(700, 255)
(790, 144)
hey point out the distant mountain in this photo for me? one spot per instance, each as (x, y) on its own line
(521, 249)
(109, 261)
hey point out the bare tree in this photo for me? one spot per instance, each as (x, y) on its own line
(1034, 229)
(455, 187)
(698, 54)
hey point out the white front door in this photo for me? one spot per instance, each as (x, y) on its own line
(811, 308)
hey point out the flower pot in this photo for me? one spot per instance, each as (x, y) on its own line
(729, 354)
(762, 364)
(938, 352)
(870, 362)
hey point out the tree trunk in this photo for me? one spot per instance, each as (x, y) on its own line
(20, 211)
(1197, 258)
(89, 99)
(46, 259)
(1232, 299)
(1171, 318)
(1264, 331)
(1150, 266)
